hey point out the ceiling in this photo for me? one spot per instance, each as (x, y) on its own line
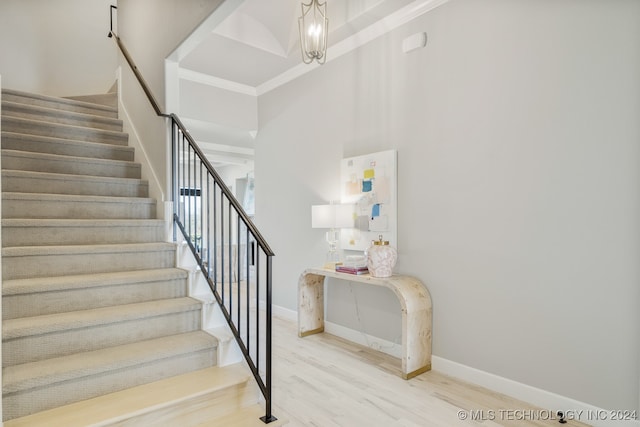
(249, 47)
(259, 39)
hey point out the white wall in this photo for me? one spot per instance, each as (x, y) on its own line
(150, 31)
(56, 48)
(231, 173)
(518, 154)
(224, 108)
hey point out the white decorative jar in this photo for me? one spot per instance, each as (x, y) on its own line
(381, 258)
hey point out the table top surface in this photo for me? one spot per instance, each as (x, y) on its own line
(366, 278)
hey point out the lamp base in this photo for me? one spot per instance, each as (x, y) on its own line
(333, 256)
(331, 265)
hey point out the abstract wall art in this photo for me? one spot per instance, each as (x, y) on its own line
(369, 182)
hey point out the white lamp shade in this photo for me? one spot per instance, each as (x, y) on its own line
(332, 216)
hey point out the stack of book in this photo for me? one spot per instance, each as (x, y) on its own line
(353, 264)
(351, 270)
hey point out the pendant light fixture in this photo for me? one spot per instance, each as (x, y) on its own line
(313, 26)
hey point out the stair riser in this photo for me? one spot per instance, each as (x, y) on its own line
(63, 301)
(108, 99)
(31, 112)
(63, 147)
(20, 267)
(35, 208)
(78, 235)
(12, 160)
(46, 102)
(21, 184)
(32, 127)
(95, 337)
(41, 398)
(198, 411)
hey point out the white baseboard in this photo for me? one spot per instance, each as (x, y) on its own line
(375, 343)
(284, 313)
(156, 188)
(573, 409)
(552, 402)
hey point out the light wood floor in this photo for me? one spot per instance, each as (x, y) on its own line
(324, 381)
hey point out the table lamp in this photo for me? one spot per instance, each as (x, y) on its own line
(334, 217)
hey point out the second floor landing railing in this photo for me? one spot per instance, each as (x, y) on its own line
(234, 258)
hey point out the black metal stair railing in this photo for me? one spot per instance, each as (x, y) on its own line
(234, 258)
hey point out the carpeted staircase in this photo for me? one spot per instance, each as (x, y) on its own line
(92, 301)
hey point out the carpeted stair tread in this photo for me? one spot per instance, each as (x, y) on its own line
(75, 198)
(52, 115)
(38, 374)
(60, 294)
(76, 206)
(65, 147)
(109, 99)
(59, 183)
(86, 249)
(59, 130)
(55, 163)
(80, 281)
(68, 177)
(22, 262)
(25, 326)
(63, 231)
(67, 103)
(90, 223)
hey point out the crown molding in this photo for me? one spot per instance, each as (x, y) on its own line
(206, 79)
(373, 31)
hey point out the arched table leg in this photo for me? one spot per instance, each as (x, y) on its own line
(415, 303)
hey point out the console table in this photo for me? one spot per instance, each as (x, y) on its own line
(415, 302)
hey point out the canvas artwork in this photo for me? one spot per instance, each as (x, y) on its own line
(369, 183)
